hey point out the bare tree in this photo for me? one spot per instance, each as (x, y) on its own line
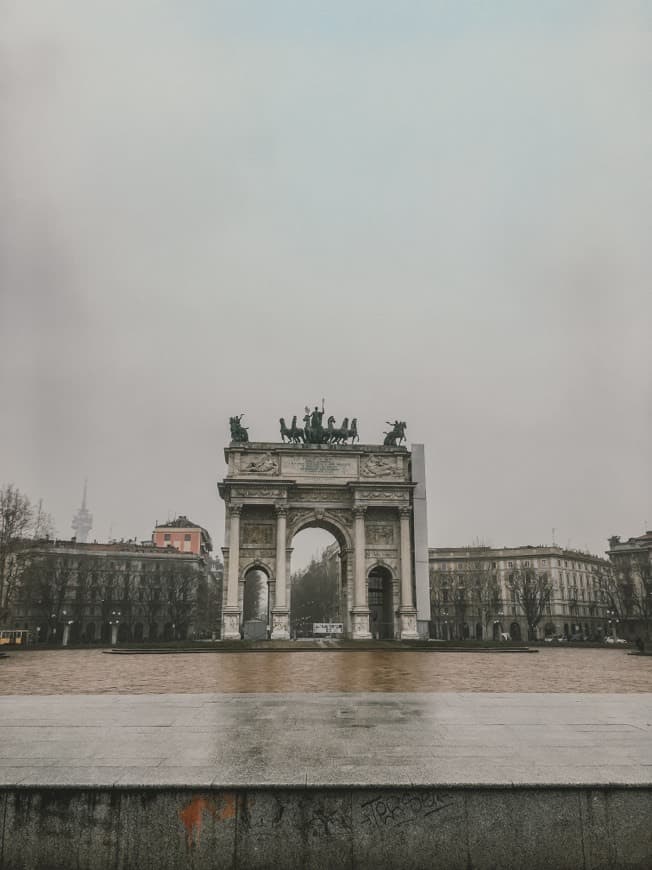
(209, 600)
(485, 592)
(19, 522)
(626, 589)
(532, 591)
(45, 586)
(151, 588)
(180, 585)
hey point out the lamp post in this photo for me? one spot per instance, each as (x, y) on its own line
(114, 622)
(445, 612)
(498, 624)
(66, 628)
(613, 621)
(53, 616)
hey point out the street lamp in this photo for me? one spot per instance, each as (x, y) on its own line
(114, 621)
(612, 617)
(445, 612)
(66, 627)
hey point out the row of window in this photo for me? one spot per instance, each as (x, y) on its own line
(514, 563)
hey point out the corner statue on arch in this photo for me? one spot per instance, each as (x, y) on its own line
(321, 476)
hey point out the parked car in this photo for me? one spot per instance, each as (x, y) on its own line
(615, 640)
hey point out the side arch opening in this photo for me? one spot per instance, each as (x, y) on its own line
(381, 605)
(255, 604)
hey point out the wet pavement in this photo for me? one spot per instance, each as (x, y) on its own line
(329, 739)
(51, 672)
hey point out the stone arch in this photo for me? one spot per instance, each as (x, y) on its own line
(256, 564)
(387, 566)
(333, 607)
(316, 519)
(364, 500)
(255, 619)
(380, 592)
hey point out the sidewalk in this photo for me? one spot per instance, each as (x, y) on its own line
(333, 739)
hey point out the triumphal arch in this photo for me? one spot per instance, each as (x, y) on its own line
(362, 494)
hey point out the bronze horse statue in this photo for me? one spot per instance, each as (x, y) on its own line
(396, 434)
(294, 434)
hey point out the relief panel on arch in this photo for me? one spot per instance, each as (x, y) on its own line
(257, 534)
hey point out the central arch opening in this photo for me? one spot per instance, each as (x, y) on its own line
(315, 582)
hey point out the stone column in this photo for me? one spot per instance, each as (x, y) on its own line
(66, 633)
(114, 633)
(407, 609)
(280, 613)
(232, 608)
(360, 614)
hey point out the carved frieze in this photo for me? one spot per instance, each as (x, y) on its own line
(262, 463)
(319, 496)
(256, 492)
(379, 466)
(395, 495)
(267, 554)
(388, 558)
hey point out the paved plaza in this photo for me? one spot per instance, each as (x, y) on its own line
(330, 739)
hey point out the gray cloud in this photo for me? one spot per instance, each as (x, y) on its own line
(443, 219)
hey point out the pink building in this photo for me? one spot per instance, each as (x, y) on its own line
(183, 535)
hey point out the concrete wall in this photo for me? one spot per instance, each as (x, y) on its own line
(466, 828)
(421, 554)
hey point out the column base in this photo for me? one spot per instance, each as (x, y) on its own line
(231, 625)
(408, 617)
(280, 625)
(360, 625)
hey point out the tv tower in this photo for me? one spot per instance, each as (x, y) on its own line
(82, 522)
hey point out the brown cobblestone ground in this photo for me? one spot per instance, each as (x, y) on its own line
(550, 670)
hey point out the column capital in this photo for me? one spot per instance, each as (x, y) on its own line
(235, 510)
(281, 509)
(405, 511)
(359, 511)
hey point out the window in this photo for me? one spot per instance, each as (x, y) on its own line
(510, 564)
(526, 563)
(166, 536)
(544, 561)
(186, 537)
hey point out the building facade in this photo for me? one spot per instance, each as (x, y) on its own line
(630, 594)
(487, 593)
(72, 593)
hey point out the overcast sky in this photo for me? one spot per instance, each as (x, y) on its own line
(433, 211)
